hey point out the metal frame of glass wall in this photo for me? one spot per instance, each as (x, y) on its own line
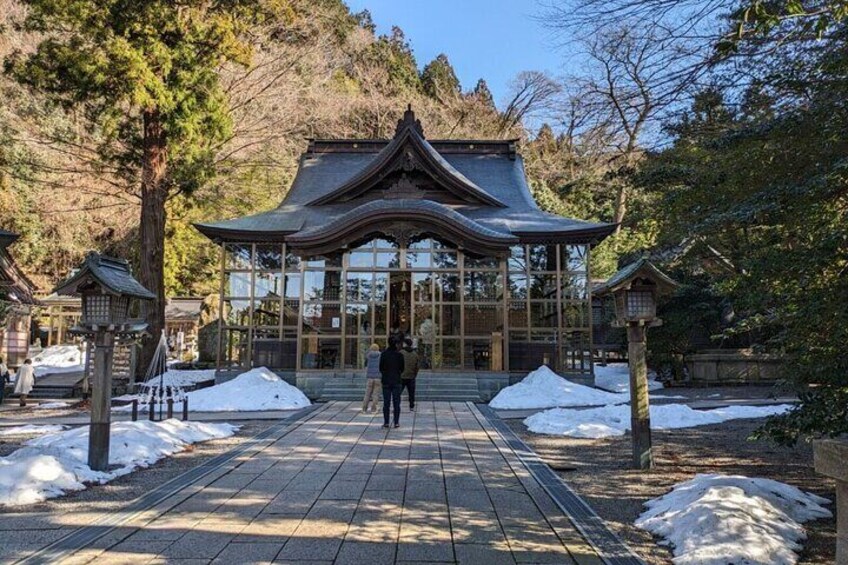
(467, 312)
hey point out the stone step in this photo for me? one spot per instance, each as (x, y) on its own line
(52, 392)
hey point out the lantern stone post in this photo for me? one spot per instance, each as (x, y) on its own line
(106, 286)
(635, 290)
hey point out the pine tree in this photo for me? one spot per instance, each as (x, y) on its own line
(438, 79)
(147, 71)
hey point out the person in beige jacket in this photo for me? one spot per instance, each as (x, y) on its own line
(25, 381)
(373, 386)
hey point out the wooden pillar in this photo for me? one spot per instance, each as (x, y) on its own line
(101, 401)
(640, 415)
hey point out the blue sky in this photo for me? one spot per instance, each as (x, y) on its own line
(490, 39)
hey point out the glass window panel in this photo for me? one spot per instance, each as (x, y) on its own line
(267, 312)
(543, 286)
(575, 315)
(574, 258)
(576, 352)
(357, 319)
(234, 348)
(292, 286)
(518, 285)
(445, 260)
(574, 286)
(237, 312)
(439, 244)
(483, 319)
(322, 318)
(269, 257)
(381, 287)
(542, 257)
(447, 287)
(447, 354)
(323, 261)
(425, 324)
(292, 262)
(419, 259)
(528, 354)
(271, 351)
(517, 315)
(320, 353)
(267, 284)
(355, 351)
(420, 244)
(484, 354)
(290, 312)
(320, 285)
(380, 243)
(543, 315)
(359, 286)
(518, 258)
(483, 286)
(388, 260)
(238, 255)
(450, 319)
(237, 284)
(481, 262)
(381, 313)
(422, 284)
(362, 258)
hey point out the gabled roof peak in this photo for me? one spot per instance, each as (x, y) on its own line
(409, 121)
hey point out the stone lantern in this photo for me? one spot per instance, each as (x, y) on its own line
(636, 290)
(106, 287)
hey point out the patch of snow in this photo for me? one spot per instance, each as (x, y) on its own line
(257, 389)
(609, 421)
(543, 388)
(31, 429)
(718, 519)
(58, 359)
(184, 378)
(52, 405)
(51, 465)
(615, 377)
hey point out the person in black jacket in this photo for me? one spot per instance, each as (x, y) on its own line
(391, 369)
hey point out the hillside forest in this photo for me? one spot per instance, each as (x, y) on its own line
(711, 132)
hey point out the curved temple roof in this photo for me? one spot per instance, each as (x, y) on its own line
(473, 190)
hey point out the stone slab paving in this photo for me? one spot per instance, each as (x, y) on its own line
(338, 488)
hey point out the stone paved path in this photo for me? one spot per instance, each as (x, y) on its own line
(340, 489)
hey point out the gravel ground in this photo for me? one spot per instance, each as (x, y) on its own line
(116, 494)
(617, 493)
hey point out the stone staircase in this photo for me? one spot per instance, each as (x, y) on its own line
(457, 387)
(67, 385)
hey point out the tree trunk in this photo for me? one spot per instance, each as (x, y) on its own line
(152, 231)
(620, 207)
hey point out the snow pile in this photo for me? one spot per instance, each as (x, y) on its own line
(608, 421)
(58, 359)
(615, 377)
(543, 388)
(257, 389)
(31, 429)
(718, 519)
(185, 378)
(53, 405)
(54, 464)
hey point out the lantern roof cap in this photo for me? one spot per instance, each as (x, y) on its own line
(641, 269)
(111, 273)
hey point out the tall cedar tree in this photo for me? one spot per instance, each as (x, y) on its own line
(146, 71)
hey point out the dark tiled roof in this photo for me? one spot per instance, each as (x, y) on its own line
(112, 273)
(638, 269)
(330, 170)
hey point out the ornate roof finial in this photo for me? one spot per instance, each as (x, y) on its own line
(409, 121)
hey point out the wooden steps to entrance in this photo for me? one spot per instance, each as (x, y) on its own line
(458, 387)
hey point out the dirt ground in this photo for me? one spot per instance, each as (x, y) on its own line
(617, 493)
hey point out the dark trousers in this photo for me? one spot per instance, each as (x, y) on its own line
(409, 385)
(391, 395)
